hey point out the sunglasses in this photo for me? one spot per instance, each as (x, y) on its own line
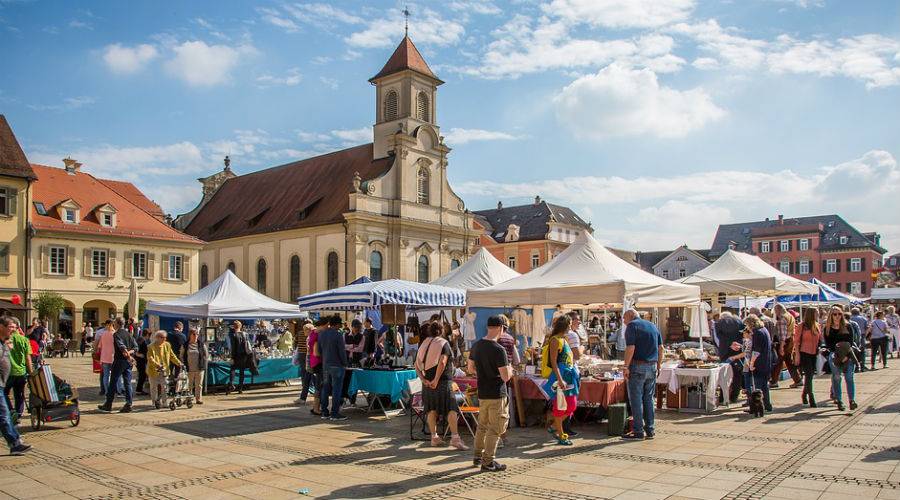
(837, 314)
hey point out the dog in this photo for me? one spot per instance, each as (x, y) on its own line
(756, 403)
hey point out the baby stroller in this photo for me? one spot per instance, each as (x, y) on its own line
(179, 390)
(51, 399)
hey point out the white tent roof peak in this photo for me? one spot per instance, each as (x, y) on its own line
(480, 271)
(226, 297)
(586, 273)
(739, 273)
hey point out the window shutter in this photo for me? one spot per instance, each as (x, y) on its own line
(128, 265)
(760, 247)
(824, 266)
(790, 245)
(45, 259)
(849, 267)
(111, 263)
(862, 288)
(185, 268)
(862, 263)
(812, 269)
(837, 262)
(88, 267)
(151, 265)
(165, 267)
(70, 261)
(13, 197)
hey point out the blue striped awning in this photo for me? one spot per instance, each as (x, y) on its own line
(374, 294)
(826, 295)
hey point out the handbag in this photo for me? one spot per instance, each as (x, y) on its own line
(561, 404)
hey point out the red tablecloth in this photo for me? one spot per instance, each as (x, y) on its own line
(594, 392)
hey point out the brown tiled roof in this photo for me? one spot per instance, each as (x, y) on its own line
(274, 199)
(12, 159)
(405, 56)
(55, 185)
(135, 196)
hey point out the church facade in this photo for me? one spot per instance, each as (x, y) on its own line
(383, 209)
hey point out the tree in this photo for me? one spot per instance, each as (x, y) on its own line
(142, 306)
(49, 304)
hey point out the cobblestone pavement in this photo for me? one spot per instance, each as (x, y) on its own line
(259, 445)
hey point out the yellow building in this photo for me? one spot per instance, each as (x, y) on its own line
(382, 209)
(16, 176)
(92, 236)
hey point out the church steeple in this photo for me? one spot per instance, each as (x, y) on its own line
(406, 57)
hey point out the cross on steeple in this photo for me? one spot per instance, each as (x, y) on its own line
(406, 15)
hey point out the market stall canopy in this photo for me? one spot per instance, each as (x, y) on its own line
(388, 292)
(826, 295)
(227, 298)
(885, 295)
(736, 273)
(481, 271)
(586, 273)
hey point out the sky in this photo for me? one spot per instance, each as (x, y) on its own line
(656, 120)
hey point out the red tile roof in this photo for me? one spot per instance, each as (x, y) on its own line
(55, 185)
(135, 196)
(12, 159)
(406, 56)
(274, 199)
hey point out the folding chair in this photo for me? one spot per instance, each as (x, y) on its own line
(468, 413)
(416, 409)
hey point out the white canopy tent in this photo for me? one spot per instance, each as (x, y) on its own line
(586, 274)
(227, 298)
(741, 274)
(481, 271)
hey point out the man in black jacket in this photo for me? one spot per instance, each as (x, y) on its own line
(125, 348)
(728, 330)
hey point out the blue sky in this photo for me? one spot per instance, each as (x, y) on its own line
(655, 119)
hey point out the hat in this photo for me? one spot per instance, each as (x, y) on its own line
(494, 321)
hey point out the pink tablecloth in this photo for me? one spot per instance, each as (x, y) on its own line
(594, 392)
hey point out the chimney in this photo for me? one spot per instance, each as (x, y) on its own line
(780, 219)
(71, 165)
(499, 205)
(767, 219)
(537, 200)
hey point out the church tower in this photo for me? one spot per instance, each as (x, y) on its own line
(405, 97)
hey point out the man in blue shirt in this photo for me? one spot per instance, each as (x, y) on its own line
(643, 357)
(333, 351)
(859, 337)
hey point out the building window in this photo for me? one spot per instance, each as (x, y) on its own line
(682, 273)
(765, 247)
(261, 276)
(535, 261)
(423, 269)
(830, 266)
(390, 106)
(844, 240)
(295, 277)
(893, 261)
(804, 267)
(833, 285)
(855, 287)
(69, 215)
(785, 267)
(375, 263)
(204, 276)
(175, 273)
(8, 200)
(40, 208)
(106, 220)
(231, 267)
(855, 265)
(478, 240)
(331, 270)
(804, 244)
(98, 262)
(4, 257)
(422, 107)
(511, 262)
(876, 263)
(422, 186)
(57, 260)
(665, 273)
(139, 265)
(784, 245)
(454, 263)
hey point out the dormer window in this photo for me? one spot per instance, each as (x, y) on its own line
(70, 216)
(106, 220)
(106, 215)
(69, 211)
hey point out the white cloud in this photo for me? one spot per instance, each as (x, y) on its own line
(291, 78)
(173, 198)
(705, 63)
(276, 18)
(202, 65)
(621, 13)
(482, 7)
(68, 104)
(131, 163)
(803, 4)
(355, 135)
(725, 44)
(619, 101)
(332, 83)
(312, 136)
(80, 25)
(321, 15)
(870, 58)
(428, 29)
(457, 136)
(128, 60)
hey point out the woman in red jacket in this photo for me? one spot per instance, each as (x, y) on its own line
(807, 338)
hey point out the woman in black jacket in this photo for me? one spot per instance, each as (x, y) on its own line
(195, 356)
(839, 340)
(242, 357)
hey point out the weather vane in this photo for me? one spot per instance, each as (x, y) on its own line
(406, 15)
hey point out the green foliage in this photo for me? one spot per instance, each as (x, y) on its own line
(142, 306)
(49, 304)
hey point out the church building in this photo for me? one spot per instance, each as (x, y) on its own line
(382, 209)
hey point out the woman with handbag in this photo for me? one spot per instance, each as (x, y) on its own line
(879, 336)
(315, 362)
(435, 368)
(558, 366)
(839, 340)
(807, 338)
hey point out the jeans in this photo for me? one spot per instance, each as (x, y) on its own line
(6, 425)
(747, 378)
(641, 393)
(761, 381)
(808, 366)
(16, 384)
(847, 372)
(333, 386)
(121, 375)
(737, 370)
(141, 375)
(493, 417)
(879, 345)
(105, 375)
(305, 376)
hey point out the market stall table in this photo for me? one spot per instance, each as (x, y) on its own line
(676, 377)
(380, 383)
(593, 392)
(270, 370)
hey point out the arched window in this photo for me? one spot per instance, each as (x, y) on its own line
(331, 270)
(454, 263)
(423, 269)
(231, 266)
(422, 185)
(390, 106)
(375, 266)
(204, 276)
(295, 278)
(261, 275)
(422, 106)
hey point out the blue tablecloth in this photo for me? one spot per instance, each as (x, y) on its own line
(270, 370)
(387, 382)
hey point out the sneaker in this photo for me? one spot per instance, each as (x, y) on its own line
(650, 435)
(633, 437)
(572, 433)
(795, 385)
(199, 402)
(19, 449)
(564, 441)
(339, 417)
(773, 385)
(325, 416)
(476, 461)
(125, 409)
(494, 466)
(437, 441)
(840, 406)
(106, 408)
(853, 405)
(457, 443)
